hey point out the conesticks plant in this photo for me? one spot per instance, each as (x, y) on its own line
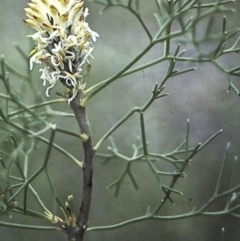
(182, 38)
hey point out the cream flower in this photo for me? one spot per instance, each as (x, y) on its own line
(63, 41)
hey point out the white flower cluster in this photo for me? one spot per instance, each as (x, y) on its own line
(62, 41)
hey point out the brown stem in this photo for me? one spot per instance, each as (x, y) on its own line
(88, 153)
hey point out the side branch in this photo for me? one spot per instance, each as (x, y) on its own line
(88, 153)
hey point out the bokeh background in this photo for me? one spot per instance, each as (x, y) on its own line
(200, 96)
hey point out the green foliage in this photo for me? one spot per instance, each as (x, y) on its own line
(24, 126)
(22, 129)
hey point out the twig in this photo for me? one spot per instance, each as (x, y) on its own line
(77, 233)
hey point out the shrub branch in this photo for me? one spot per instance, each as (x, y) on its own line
(77, 233)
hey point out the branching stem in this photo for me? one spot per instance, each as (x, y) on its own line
(77, 233)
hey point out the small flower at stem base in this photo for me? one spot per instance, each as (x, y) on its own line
(52, 218)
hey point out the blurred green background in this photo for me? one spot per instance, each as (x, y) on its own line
(200, 96)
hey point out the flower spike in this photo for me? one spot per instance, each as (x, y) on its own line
(63, 42)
